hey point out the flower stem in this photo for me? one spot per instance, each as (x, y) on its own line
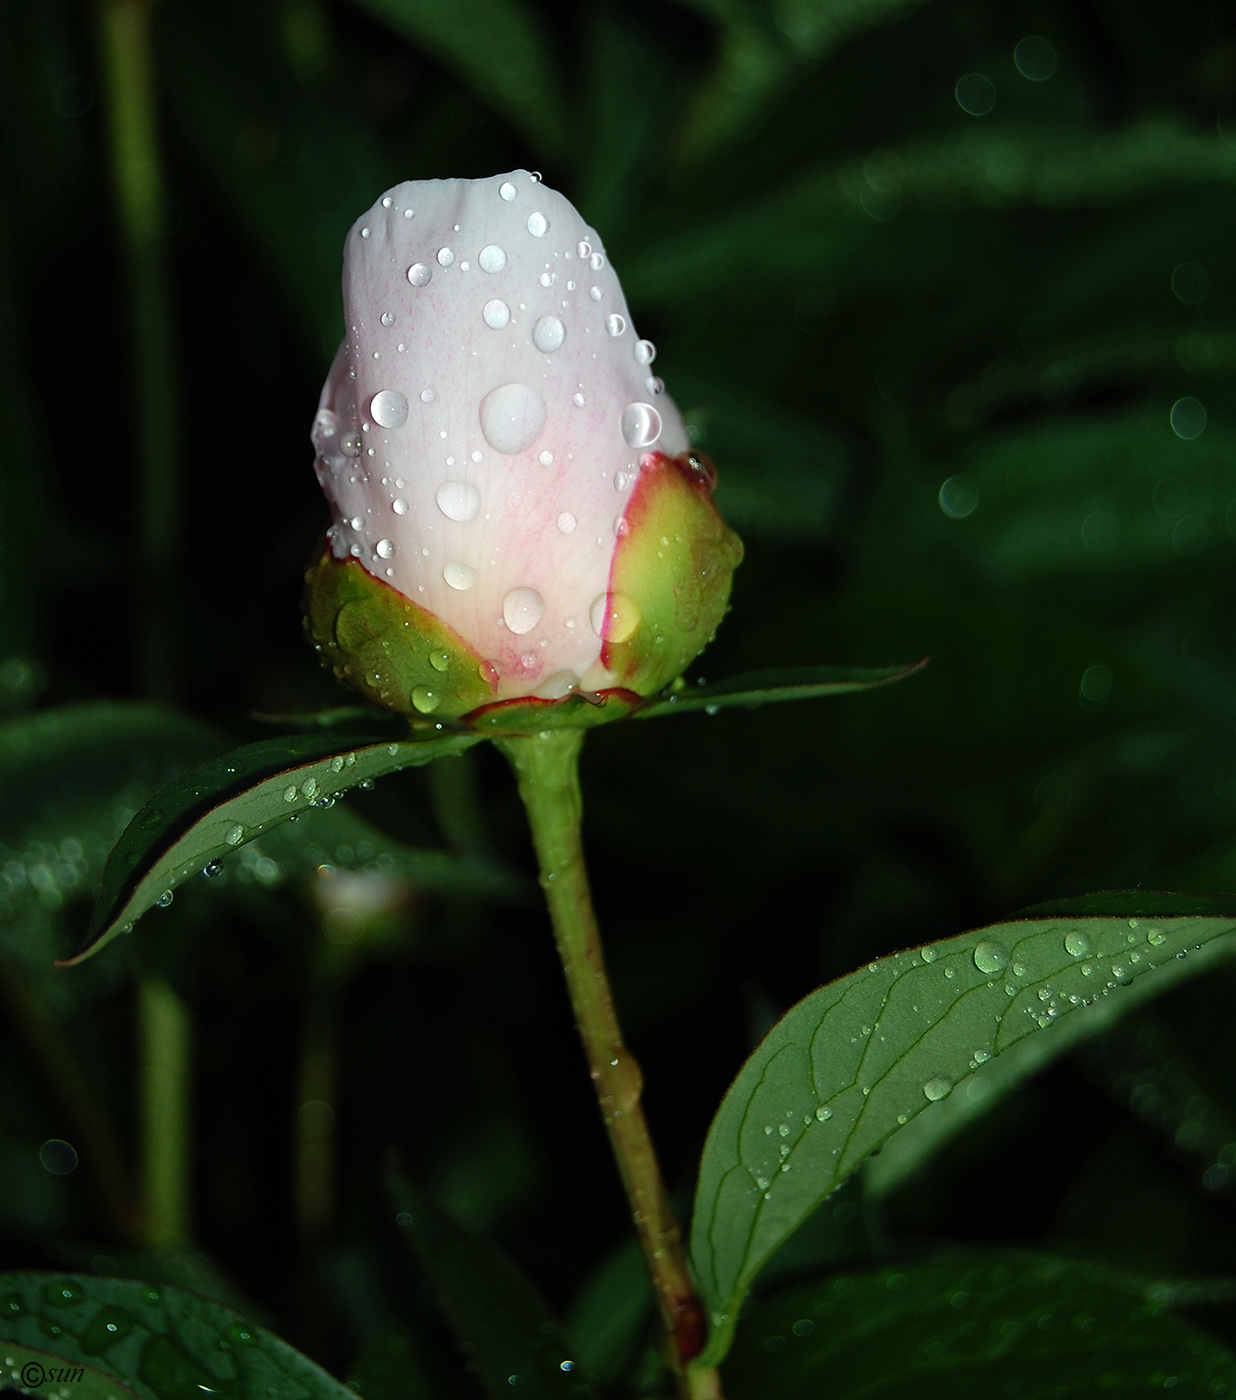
(164, 1049)
(546, 767)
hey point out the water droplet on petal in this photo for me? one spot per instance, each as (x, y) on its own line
(645, 352)
(496, 314)
(522, 609)
(577, 400)
(654, 385)
(427, 396)
(492, 258)
(458, 500)
(388, 318)
(596, 262)
(399, 506)
(460, 576)
(584, 249)
(546, 459)
(419, 275)
(1077, 944)
(615, 617)
(351, 445)
(615, 324)
(641, 424)
(990, 956)
(389, 409)
(512, 417)
(445, 257)
(566, 522)
(384, 549)
(548, 334)
(538, 224)
(507, 190)
(938, 1088)
(595, 293)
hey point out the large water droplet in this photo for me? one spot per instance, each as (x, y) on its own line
(566, 522)
(426, 701)
(460, 576)
(584, 249)
(507, 190)
(938, 1088)
(399, 506)
(492, 258)
(522, 609)
(419, 275)
(641, 424)
(596, 262)
(496, 314)
(351, 445)
(548, 334)
(1155, 937)
(512, 417)
(445, 257)
(1077, 944)
(388, 318)
(458, 500)
(990, 956)
(823, 1114)
(538, 224)
(614, 616)
(384, 549)
(595, 293)
(645, 352)
(615, 324)
(389, 409)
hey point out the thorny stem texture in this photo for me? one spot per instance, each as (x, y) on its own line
(546, 766)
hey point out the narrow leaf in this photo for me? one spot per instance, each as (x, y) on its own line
(159, 1343)
(853, 1062)
(499, 1317)
(773, 686)
(207, 813)
(973, 1324)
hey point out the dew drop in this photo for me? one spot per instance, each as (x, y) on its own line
(584, 249)
(546, 459)
(445, 257)
(538, 224)
(427, 396)
(458, 500)
(645, 352)
(990, 956)
(460, 576)
(424, 700)
(351, 445)
(641, 424)
(492, 258)
(399, 506)
(512, 417)
(654, 384)
(235, 835)
(548, 334)
(496, 314)
(419, 275)
(1077, 944)
(507, 191)
(522, 609)
(440, 660)
(938, 1088)
(389, 409)
(615, 324)
(595, 293)
(567, 522)
(823, 1114)
(1155, 937)
(384, 549)
(929, 955)
(596, 262)
(388, 318)
(577, 400)
(614, 616)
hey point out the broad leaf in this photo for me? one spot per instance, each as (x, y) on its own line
(158, 1343)
(853, 1062)
(973, 1325)
(773, 686)
(499, 1317)
(207, 813)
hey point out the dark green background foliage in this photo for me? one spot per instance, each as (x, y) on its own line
(934, 355)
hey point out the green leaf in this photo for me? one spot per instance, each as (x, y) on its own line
(209, 812)
(611, 1314)
(773, 686)
(497, 48)
(159, 1343)
(855, 1061)
(972, 1325)
(499, 1317)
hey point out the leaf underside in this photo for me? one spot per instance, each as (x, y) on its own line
(777, 685)
(851, 1064)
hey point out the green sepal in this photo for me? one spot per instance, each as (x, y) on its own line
(529, 715)
(675, 564)
(390, 649)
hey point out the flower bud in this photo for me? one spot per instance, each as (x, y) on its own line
(518, 517)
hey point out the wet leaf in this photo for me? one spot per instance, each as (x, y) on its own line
(774, 686)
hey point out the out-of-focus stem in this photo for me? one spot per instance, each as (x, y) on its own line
(128, 76)
(315, 1114)
(165, 1094)
(546, 766)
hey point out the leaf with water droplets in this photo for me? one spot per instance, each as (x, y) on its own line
(130, 1339)
(205, 814)
(500, 1318)
(773, 686)
(972, 1324)
(914, 1034)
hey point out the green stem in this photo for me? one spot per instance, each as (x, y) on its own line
(128, 71)
(546, 767)
(164, 1051)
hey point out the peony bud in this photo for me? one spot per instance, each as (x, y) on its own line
(518, 519)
